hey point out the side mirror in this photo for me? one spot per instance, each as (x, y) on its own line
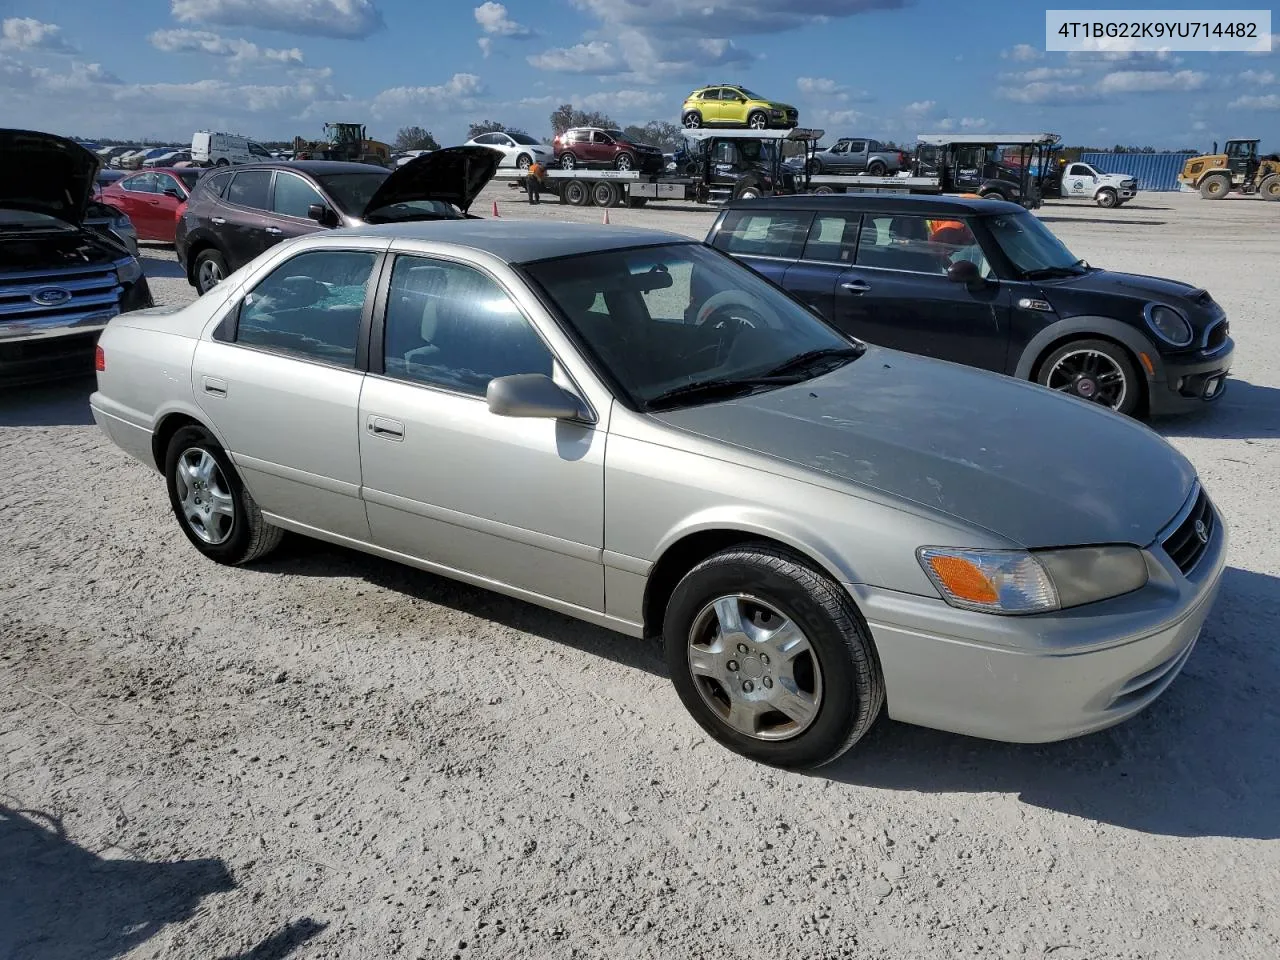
(532, 395)
(321, 215)
(964, 271)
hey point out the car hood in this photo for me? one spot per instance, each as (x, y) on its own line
(43, 173)
(57, 250)
(1033, 466)
(1135, 285)
(454, 175)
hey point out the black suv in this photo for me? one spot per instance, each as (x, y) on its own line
(60, 279)
(985, 283)
(234, 215)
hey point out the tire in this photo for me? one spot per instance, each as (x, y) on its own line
(748, 191)
(624, 161)
(876, 169)
(1270, 188)
(604, 194)
(524, 161)
(1215, 186)
(992, 195)
(568, 161)
(824, 189)
(815, 167)
(575, 194)
(758, 120)
(241, 538)
(836, 686)
(1107, 198)
(222, 162)
(1057, 368)
(692, 120)
(209, 269)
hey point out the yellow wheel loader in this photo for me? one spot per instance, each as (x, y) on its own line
(1238, 170)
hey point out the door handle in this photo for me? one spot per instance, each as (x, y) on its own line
(218, 220)
(856, 286)
(273, 230)
(215, 387)
(384, 428)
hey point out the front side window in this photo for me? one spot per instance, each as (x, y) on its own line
(310, 306)
(899, 243)
(451, 326)
(259, 151)
(1080, 170)
(776, 234)
(601, 137)
(294, 196)
(249, 189)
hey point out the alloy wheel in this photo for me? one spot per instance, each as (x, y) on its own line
(1090, 375)
(208, 276)
(207, 504)
(755, 668)
(758, 121)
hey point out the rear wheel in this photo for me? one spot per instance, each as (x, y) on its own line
(1270, 188)
(992, 195)
(215, 511)
(604, 194)
(210, 269)
(771, 657)
(824, 189)
(1095, 370)
(222, 162)
(758, 120)
(692, 120)
(1107, 198)
(575, 193)
(877, 169)
(1215, 186)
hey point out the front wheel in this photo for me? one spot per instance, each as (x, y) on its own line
(1107, 198)
(625, 161)
(771, 657)
(214, 509)
(1215, 186)
(1095, 370)
(758, 121)
(524, 161)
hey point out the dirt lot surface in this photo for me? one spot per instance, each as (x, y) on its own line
(327, 755)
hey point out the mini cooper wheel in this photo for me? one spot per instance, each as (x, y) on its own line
(692, 120)
(771, 657)
(210, 270)
(758, 120)
(214, 509)
(1095, 370)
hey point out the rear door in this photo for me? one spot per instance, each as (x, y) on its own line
(712, 110)
(767, 241)
(140, 200)
(825, 262)
(241, 220)
(855, 160)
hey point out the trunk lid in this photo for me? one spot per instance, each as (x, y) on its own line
(454, 175)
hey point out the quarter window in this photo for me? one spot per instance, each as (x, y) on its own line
(310, 306)
(777, 234)
(249, 189)
(293, 196)
(450, 326)
(216, 185)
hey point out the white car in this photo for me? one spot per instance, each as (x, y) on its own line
(404, 156)
(517, 149)
(220, 149)
(1085, 182)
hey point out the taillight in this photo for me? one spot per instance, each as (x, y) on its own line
(99, 359)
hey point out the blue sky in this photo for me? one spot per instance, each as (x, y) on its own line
(881, 68)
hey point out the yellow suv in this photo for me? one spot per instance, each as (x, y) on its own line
(731, 105)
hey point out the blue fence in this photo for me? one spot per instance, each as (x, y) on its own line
(1153, 171)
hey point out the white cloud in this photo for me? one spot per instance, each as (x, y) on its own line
(1023, 53)
(493, 19)
(1040, 74)
(829, 89)
(347, 19)
(1043, 92)
(1148, 81)
(837, 118)
(1132, 59)
(630, 103)
(1199, 125)
(460, 90)
(26, 33)
(740, 17)
(975, 124)
(596, 56)
(239, 51)
(486, 46)
(1270, 101)
(920, 108)
(1263, 78)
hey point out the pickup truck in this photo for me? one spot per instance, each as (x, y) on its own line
(1084, 181)
(855, 155)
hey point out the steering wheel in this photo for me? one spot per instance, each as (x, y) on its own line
(730, 305)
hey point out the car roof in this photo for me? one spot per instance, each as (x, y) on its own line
(313, 167)
(521, 241)
(876, 203)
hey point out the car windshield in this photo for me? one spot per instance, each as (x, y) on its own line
(524, 138)
(749, 94)
(1031, 246)
(353, 191)
(679, 323)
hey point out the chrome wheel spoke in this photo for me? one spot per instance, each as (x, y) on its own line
(799, 706)
(705, 663)
(743, 715)
(788, 641)
(221, 504)
(729, 616)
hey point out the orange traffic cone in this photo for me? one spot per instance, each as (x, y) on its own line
(495, 209)
(606, 215)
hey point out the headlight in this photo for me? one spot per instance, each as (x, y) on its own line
(128, 270)
(1167, 324)
(1018, 581)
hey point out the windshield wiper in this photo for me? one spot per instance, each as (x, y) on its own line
(717, 388)
(807, 361)
(1072, 271)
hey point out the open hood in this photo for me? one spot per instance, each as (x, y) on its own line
(454, 175)
(43, 173)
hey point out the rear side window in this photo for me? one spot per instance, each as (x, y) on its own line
(310, 306)
(900, 243)
(779, 233)
(249, 189)
(833, 237)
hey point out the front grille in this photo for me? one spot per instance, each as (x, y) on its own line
(89, 292)
(1186, 545)
(1216, 335)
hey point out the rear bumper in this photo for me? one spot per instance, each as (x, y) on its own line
(32, 360)
(1185, 384)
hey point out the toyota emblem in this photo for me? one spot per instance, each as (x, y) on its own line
(51, 296)
(1202, 532)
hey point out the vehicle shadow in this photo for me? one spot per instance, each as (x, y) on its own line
(55, 404)
(1246, 411)
(1203, 760)
(300, 556)
(1116, 222)
(283, 942)
(157, 265)
(59, 900)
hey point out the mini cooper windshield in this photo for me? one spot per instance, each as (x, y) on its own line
(680, 324)
(1032, 248)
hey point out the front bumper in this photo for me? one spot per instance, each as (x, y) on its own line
(1042, 678)
(1189, 382)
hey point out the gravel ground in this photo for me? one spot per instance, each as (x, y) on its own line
(327, 755)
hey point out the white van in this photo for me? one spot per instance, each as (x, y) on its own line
(220, 149)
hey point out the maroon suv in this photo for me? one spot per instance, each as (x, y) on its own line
(596, 147)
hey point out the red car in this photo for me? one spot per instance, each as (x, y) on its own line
(154, 200)
(594, 147)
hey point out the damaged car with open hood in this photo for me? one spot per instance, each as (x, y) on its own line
(234, 216)
(61, 280)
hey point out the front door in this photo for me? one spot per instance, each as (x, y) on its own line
(1079, 181)
(246, 231)
(291, 198)
(897, 293)
(518, 501)
(599, 148)
(766, 241)
(281, 386)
